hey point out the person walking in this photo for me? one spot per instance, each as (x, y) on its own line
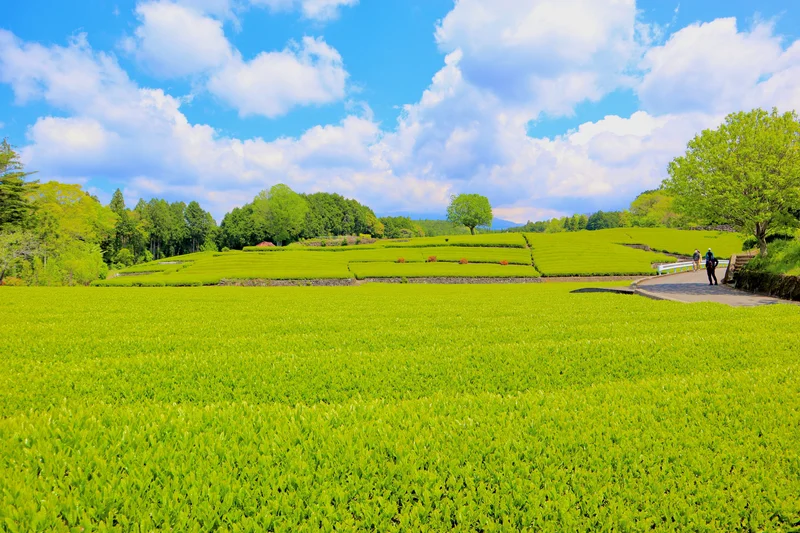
(696, 261)
(711, 267)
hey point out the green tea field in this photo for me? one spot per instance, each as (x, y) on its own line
(608, 252)
(503, 255)
(395, 408)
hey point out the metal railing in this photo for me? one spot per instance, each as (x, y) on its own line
(686, 266)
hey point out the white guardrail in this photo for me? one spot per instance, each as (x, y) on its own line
(685, 266)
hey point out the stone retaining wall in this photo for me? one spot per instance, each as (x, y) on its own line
(780, 286)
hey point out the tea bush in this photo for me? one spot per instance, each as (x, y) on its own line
(476, 408)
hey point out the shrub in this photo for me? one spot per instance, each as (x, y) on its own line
(504, 262)
(226, 249)
(404, 280)
(124, 257)
(446, 239)
(401, 259)
(323, 244)
(344, 242)
(11, 281)
(463, 261)
(432, 259)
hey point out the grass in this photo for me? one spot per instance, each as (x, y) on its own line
(585, 253)
(674, 241)
(388, 407)
(603, 252)
(783, 257)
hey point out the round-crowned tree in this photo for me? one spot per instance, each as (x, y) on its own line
(470, 210)
(745, 173)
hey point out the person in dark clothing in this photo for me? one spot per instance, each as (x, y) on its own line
(711, 266)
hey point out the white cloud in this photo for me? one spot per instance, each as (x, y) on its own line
(174, 41)
(709, 67)
(319, 10)
(546, 53)
(274, 82)
(466, 133)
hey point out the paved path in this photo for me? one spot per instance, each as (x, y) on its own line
(693, 287)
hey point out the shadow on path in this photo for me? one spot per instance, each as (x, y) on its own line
(694, 287)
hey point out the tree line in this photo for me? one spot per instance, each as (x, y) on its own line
(651, 209)
(281, 216)
(746, 174)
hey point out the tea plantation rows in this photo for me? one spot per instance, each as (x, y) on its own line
(493, 408)
(505, 255)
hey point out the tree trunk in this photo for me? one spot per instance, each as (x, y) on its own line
(472, 230)
(2, 275)
(761, 235)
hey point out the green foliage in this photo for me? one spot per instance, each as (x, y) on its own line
(64, 245)
(481, 408)
(470, 210)
(437, 228)
(282, 212)
(16, 248)
(783, 258)
(15, 207)
(124, 257)
(653, 209)
(606, 220)
(745, 173)
(401, 228)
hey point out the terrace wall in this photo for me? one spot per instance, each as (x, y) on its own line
(778, 285)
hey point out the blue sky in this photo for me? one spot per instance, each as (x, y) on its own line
(548, 107)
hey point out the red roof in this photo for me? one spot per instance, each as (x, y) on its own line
(265, 244)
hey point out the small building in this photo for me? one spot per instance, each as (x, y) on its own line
(265, 244)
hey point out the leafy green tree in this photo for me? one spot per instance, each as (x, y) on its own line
(745, 173)
(374, 226)
(124, 257)
(555, 225)
(15, 247)
(198, 223)
(398, 227)
(15, 207)
(654, 209)
(238, 229)
(607, 220)
(470, 210)
(282, 212)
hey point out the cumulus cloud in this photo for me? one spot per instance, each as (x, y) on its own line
(709, 67)
(273, 82)
(173, 41)
(546, 53)
(466, 133)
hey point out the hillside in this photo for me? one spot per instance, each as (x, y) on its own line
(496, 255)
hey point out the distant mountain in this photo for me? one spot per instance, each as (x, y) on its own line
(499, 223)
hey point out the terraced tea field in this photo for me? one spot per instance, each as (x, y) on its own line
(395, 407)
(608, 252)
(504, 255)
